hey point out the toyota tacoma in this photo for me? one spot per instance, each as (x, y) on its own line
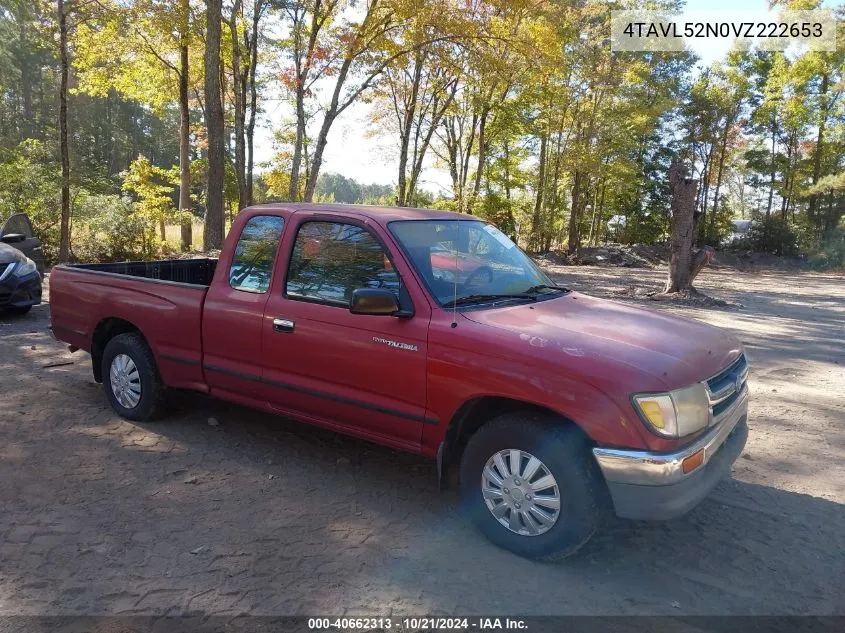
(429, 332)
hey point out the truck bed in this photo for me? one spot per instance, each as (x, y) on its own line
(161, 299)
(198, 272)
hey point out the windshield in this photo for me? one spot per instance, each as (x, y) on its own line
(471, 257)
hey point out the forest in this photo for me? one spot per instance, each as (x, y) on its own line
(128, 128)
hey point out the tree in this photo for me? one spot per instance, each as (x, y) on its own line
(142, 49)
(213, 233)
(683, 265)
(64, 243)
(258, 9)
(239, 84)
(184, 129)
(538, 126)
(350, 51)
(245, 93)
(416, 92)
(153, 188)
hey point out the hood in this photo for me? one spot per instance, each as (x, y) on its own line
(9, 254)
(673, 351)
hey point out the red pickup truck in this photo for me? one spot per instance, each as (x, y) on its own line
(434, 333)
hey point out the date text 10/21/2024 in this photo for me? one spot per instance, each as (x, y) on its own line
(421, 623)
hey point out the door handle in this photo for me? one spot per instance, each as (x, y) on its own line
(283, 325)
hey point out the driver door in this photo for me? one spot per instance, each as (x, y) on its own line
(361, 374)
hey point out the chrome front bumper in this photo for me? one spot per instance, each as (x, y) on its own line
(650, 485)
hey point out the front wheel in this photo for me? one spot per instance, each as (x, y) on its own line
(130, 378)
(531, 486)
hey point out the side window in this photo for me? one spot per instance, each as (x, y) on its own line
(330, 260)
(252, 263)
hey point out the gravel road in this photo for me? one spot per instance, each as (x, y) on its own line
(261, 515)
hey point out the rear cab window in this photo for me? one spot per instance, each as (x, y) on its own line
(255, 252)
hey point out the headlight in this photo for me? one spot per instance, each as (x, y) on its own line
(24, 268)
(677, 413)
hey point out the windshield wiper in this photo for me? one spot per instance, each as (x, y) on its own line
(540, 287)
(478, 298)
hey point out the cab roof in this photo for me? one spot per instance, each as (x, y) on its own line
(381, 215)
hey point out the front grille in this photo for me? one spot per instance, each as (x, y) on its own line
(724, 388)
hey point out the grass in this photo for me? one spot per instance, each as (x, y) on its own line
(173, 235)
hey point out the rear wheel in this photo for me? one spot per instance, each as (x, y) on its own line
(130, 378)
(531, 486)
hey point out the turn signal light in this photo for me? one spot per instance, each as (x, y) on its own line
(693, 461)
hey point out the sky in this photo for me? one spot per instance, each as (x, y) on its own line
(356, 151)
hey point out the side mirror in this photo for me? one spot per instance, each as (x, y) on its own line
(12, 238)
(377, 301)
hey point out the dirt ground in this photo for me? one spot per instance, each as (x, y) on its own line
(264, 516)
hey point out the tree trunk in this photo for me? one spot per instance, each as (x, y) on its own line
(574, 241)
(541, 188)
(317, 159)
(452, 150)
(240, 105)
(407, 126)
(593, 227)
(684, 191)
(329, 117)
(437, 114)
(293, 192)
(64, 234)
(555, 194)
(719, 172)
(482, 156)
(599, 224)
(258, 9)
(465, 163)
(507, 183)
(772, 169)
(186, 219)
(213, 234)
(788, 175)
(702, 195)
(302, 63)
(817, 156)
(26, 76)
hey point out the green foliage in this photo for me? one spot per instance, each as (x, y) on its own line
(771, 235)
(154, 189)
(29, 183)
(717, 228)
(644, 227)
(108, 229)
(475, 91)
(500, 211)
(831, 252)
(333, 187)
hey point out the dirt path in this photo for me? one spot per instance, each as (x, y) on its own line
(264, 516)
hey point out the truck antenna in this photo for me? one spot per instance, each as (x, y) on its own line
(455, 294)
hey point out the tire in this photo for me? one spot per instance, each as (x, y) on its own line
(151, 400)
(564, 453)
(18, 310)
